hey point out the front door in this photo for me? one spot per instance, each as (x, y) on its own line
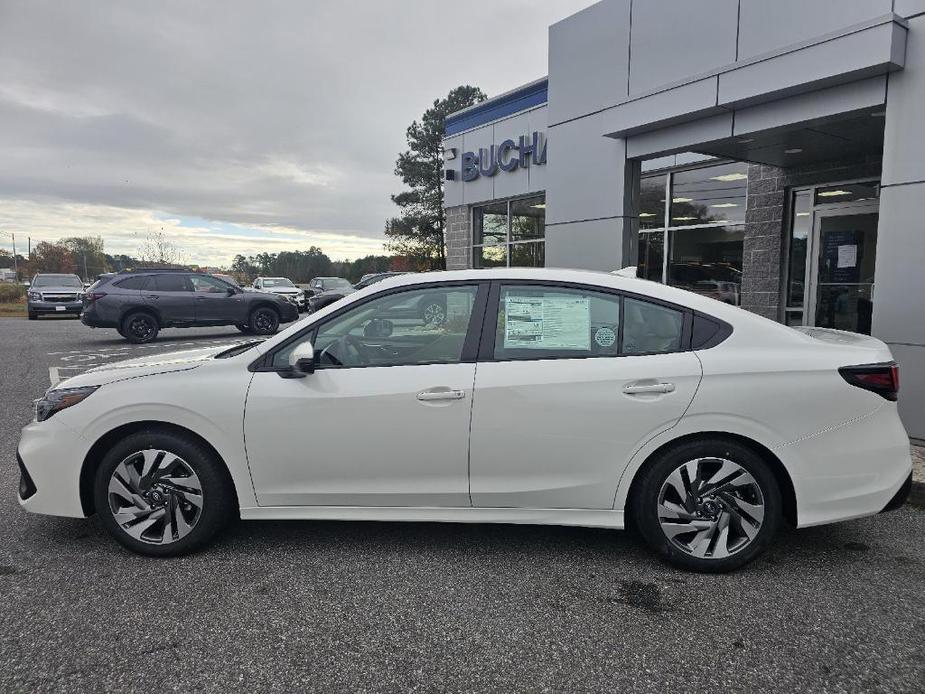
(217, 301)
(383, 420)
(843, 269)
(574, 382)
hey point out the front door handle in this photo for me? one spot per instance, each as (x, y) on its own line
(648, 388)
(440, 394)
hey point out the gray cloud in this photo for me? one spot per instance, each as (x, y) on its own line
(273, 113)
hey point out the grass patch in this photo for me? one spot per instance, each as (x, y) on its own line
(13, 309)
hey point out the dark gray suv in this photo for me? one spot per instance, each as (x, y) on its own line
(139, 303)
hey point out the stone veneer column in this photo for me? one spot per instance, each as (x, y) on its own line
(761, 250)
(458, 238)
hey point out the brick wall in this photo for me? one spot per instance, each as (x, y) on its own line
(458, 238)
(766, 224)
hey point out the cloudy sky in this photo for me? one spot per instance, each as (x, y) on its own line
(235, 127)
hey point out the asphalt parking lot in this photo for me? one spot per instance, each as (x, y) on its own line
(319, 606)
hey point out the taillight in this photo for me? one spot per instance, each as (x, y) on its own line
(95, 296)
(882, 379)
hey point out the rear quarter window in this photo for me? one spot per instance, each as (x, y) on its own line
(133, 282)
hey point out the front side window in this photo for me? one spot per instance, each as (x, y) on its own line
(421, 326)
(510, 234)
(536, 322)
(208, 284)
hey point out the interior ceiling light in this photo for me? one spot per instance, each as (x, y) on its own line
(725, 204)
(683, 219)
(795, 150)
(646, 214)
(833, 193)
(682, 200)
(802, 214)
(540, 206)
(730, 177)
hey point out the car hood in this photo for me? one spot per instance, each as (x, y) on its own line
(148, 365)
(282, 290)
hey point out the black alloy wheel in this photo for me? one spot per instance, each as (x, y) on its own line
(140, 327)
(264, 321)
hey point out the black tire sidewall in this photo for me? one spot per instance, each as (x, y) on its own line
(218, 502)
(127, 333)
(253, 320)
(643, 507)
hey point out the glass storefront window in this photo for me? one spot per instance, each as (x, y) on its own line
(652, 191)
(651, 255)
(510, 233)
(799, 237)
(710, 195)
(848, 192)
(708, 261)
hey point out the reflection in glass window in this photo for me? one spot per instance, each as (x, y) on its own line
(651, 256)
(848, 192)
(421, 326)
(652, 201)
(491, 224)
(708, 261)
(544, 323)
(709, 195)
(800, 229)
(651, 329)
(510, 233)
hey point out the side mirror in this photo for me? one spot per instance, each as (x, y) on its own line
(231, 291)
(301, 361)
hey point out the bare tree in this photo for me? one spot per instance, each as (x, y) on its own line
(157, 249)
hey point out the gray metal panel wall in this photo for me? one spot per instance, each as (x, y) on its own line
(766, 26)
(589, 60)
(590, 245)
(672, 40)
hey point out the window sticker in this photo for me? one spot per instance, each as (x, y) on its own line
(605, 337)
(547, 322)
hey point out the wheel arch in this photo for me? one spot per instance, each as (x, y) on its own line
(95, 456)
(779, 470)
(150, 310)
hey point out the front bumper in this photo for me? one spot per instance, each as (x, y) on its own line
(50, 457)
(55, 307)
(289, 312)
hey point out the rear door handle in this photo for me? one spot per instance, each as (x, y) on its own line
(440, 394)
(649, 388)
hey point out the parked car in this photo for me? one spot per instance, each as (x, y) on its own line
(283, 287)
(60, 294)
(324, 291)
(374, 277)
(227, 278)
(547, 396)
(139, 303)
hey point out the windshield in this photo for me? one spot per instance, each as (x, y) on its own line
(277, 282)
(227, 278)
(57, 281)
(337, 283)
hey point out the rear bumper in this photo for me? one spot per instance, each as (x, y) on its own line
(854, 470)
(91, 319)
(900, 497)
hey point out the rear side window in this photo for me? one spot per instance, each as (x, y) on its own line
(133, 282)
(548, 322)
(171, 283)
(650, 328)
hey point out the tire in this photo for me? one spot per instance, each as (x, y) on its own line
(246, 329)
(264, 321)
(748, 505)
(433, 312)
(191, 466)
(139, 327)
(32, 316)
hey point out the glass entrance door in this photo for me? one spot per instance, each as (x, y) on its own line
(843, 269)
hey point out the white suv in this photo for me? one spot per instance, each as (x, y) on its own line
(283, 287)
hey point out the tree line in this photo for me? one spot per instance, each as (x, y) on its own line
(302, 266)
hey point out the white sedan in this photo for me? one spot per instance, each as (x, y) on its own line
(540, 396)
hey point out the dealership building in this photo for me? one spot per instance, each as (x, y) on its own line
(767, 154)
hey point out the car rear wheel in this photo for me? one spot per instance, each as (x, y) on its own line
(264, 321)
(711, 505)
(162, 494)
(434, 312)
(140, 327)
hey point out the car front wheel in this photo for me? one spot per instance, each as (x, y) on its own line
(139, 327)
(264, 321)
(710, 506)
(162, 494)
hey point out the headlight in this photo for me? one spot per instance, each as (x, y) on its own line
(61, 399)
(35, 296)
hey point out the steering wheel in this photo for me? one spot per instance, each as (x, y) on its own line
(346, 346)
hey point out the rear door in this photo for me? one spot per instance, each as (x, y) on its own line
(570, 382)
(171, 295)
